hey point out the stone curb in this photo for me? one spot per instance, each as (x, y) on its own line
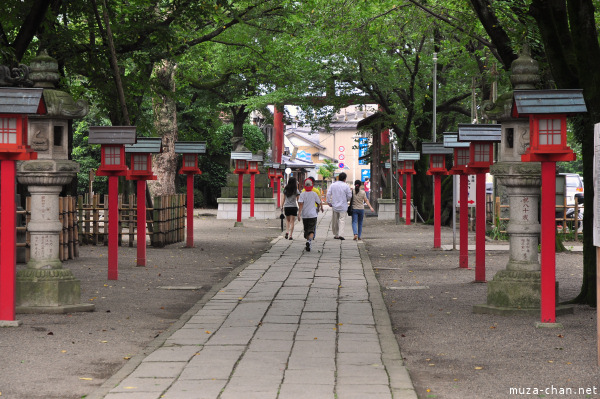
(400, 383)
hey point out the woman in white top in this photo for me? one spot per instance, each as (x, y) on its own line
(289, 206)
(359, 199)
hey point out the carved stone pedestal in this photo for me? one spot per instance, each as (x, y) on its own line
(516, 290)
(45, 287)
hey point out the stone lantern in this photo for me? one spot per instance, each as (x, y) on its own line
(44, 286)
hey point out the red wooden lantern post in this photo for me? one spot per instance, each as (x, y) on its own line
(461, 160)
(141, 170)
(190, 151)
(409, 158)
(272, 173)
(241, 159)
(112, 164)
(481, 157)
(400, 188)
(547, 111)
(15, 105)
(437, 168)
(253, 170)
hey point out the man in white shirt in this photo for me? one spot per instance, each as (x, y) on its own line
(338, 196)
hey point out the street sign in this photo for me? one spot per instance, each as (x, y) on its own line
(341, 165)
(342, 157)
(342, 148)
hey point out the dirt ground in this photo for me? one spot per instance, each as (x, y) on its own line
(68, 356)
(452, 353)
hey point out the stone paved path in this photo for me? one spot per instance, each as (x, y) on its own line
(292, 325)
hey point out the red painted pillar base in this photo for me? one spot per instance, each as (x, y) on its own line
(252, 195)
(547, 238)
(464, 222)
(480, 228)
(113, 227)
(437, 211)
(141, 223)
(408, 199)
(240, 195)
(8, 260)
(189, 239)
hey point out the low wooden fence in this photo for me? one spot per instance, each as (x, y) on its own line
(564, 224)
(83, 223)
(68, 238)
(165, 220)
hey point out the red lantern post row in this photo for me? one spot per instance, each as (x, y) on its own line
(253, 170)
(481, 157)
(547, 111)
(190, 151)
(241, 159)
(15, 106)
(437, 168)
(461, 160)
(141, 171)
(112, 164)
(408, 158)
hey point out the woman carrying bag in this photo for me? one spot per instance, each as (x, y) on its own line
(358, 201)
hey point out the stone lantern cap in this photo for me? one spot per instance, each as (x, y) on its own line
(190, 147)
(22, 101)
(145, 145)
(529, 102)
(435, 149)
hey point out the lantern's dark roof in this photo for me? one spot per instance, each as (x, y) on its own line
(409, 156)
(479, 132)
(549, 101)
(190, 147)
(435, 148)
(20, 101)
(145, 145)
(451, 141)
(112, 135)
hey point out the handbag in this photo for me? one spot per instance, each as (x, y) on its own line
(350, 208)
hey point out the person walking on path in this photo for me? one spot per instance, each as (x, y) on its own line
(359, 199)
(308, 211)
(338, 196)
(368, 188)
(289, 206)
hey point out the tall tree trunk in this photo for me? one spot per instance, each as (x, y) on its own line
(573, 53)
(240, 115)
(165, 123)
(108, 38)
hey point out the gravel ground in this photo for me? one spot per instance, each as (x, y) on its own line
(69, 356)
(452, 353)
